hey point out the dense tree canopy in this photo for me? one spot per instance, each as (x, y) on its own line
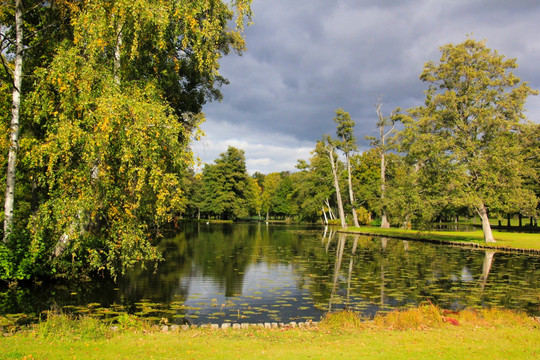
(227, 191)
(107, 127)
(465, 139)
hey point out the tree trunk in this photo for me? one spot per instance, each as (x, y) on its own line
(351, 194)
(486, 227)
(383, 148)
(508, 220)
(520, 220)
(336, 185)
(117, 54)
(330, 212)
(325, 218)
(384, 220)
(15, 116)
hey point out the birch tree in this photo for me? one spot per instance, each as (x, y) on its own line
(15, 118)
(347, 144)
(382, 146)
(330, 147)
(119, 105)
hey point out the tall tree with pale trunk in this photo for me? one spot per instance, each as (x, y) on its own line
(465, 139)
(347, 144)
(15, 119)
(382, 146)
(330, 147)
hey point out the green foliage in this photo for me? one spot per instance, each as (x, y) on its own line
(116, 95)
(463, 144)
(364, 217)
(281, 204)
(269, 188)
(313, 186)
(345, 132)
(227, 191)
(366, 171)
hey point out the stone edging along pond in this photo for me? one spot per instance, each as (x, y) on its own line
(472, 245)
(236, 326)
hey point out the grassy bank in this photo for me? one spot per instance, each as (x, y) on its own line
(505, 240)
(422, 333)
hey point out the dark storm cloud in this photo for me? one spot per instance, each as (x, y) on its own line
(306, 58)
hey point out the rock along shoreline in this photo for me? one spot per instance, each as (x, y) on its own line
(234, 326)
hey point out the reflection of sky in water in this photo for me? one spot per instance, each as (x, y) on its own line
(466, 275)
(260, 278)
(268, 278)
(270, 292)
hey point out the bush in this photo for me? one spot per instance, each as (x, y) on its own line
(364, 216)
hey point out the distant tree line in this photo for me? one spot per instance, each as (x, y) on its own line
(468, 151)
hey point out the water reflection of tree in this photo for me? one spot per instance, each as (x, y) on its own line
(160, 285)
(486, 267)
(396, 273)
(337, 267)
(369, 274)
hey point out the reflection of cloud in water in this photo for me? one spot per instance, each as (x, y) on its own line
(268, 278)
(269, 292)
(466, 275)
(260, 279)
(206, 288)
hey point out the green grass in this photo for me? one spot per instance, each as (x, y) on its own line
(423, 333)
(504, 239)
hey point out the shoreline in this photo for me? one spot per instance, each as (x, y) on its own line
(435, 237)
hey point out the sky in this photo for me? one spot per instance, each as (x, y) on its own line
(307, 58)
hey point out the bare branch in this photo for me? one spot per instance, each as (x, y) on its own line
(41, 3)
(7, 69)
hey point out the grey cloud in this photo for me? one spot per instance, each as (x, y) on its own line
(306, 58)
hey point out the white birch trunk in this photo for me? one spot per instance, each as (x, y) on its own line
(351, 194)
(330, 212)
(117, 54)
(384, 220)
(14, 128)
(336, 185)
(325, 218)
(486, 226)
(382, 147)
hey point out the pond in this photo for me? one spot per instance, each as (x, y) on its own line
(216, 273)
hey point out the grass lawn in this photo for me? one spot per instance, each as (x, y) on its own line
(504, 239)
(423, 333)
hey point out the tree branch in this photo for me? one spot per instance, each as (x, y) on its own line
(8, 70)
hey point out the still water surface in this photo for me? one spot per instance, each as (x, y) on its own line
(276, 273)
